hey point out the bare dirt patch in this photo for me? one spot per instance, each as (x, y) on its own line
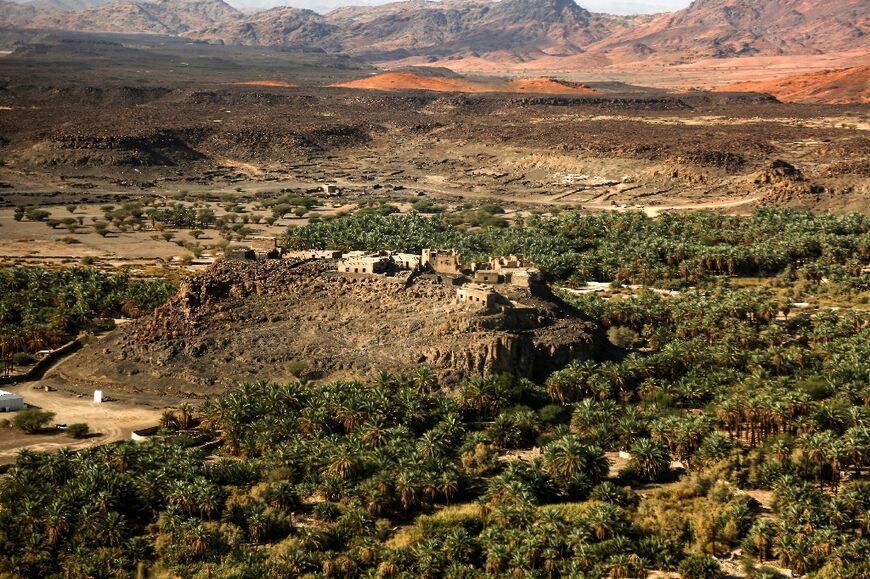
(109, 422)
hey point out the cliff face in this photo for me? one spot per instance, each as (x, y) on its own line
(242, 321)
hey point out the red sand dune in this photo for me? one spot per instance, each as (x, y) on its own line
(271, 83)
(842, 86)
(411, 81)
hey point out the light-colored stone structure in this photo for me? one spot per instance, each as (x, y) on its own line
(364, 264)
(410, 261)
(487, 276)
(477, 295)
(509, 262)
(445, 261)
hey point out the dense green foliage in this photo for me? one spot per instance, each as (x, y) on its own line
(327, 475)
(42, 308)
(674, 249)
(400, 476)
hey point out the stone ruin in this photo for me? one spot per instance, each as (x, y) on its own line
(254, 249)
(477, 284)
(444, 261)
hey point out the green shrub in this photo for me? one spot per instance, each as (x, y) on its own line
(32, 420)
(78, 430)
(700, 567)
(554, 414)
(623, 337)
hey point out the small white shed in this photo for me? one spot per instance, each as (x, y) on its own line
(10, 402)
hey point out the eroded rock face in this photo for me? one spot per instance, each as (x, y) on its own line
(242, 321)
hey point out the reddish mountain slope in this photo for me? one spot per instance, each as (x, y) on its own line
(850, 85)
(411, 81)
(724, 28)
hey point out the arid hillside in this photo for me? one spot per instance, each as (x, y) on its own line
(411, 81)
(725, 28)
(849, 85)
(515, 35)
(155, 17)
(253, 321)
(188, 125)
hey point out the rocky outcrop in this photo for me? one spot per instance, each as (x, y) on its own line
(243, 321)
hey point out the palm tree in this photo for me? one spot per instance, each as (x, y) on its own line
(574, 464)
(649, 459)
(604, 519)
(168, 420)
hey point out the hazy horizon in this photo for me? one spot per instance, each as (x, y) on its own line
(607, 6)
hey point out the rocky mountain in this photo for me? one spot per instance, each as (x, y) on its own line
(173, 17)
(65, 5)
(278, 26)
(515, 31)
(728, 28)
(527, 28)
(14, 14)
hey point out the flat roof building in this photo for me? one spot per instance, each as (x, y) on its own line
(476, 294)
(364, 264)
(511, 261)
(410, 261)
(10, 402)
(487, 276)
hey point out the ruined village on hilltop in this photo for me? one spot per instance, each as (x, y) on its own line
(477, 283)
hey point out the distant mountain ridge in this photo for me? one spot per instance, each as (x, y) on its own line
(500, 31)
(65, 5)
(173, 17)
(727, 28)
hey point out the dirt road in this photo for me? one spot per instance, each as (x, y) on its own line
(659, 209)
(112, 421)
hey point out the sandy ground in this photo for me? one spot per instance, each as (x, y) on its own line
(708, 72)
(850, 121)
(110, 421)
(33, 243)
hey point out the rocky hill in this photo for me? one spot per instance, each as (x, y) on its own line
(278, 26)
(252, 321)
(849, 85)
(65, 5)
(14, 14)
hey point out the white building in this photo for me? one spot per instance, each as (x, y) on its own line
(10, 402)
